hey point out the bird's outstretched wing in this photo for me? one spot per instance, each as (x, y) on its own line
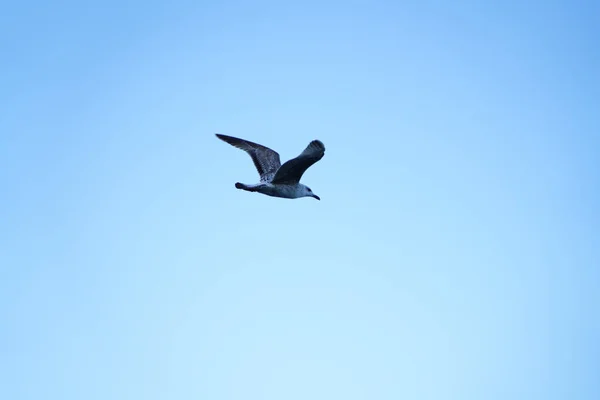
(265, 160)
(291, 171)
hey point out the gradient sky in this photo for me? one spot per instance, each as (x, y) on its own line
(454, 253)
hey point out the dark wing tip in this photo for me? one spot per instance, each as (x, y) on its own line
(318, 143)
(316, 148)
(236, 142)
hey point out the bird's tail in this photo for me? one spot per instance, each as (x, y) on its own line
(244, 187)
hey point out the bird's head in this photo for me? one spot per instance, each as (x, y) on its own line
(309, 193)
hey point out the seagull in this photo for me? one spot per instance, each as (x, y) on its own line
(278, 180)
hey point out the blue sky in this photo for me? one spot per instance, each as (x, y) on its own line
(454, 253)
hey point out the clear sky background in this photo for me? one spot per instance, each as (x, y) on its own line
(454, 253)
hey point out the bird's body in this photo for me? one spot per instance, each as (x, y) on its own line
(278, 180)
(281, 190)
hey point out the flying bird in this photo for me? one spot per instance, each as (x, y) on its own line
(278, 180)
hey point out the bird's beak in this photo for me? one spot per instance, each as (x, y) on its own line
(316, 197)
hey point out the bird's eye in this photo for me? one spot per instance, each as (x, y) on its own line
(309, 190)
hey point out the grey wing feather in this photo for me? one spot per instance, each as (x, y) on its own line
(265, 160)
(292, 170)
